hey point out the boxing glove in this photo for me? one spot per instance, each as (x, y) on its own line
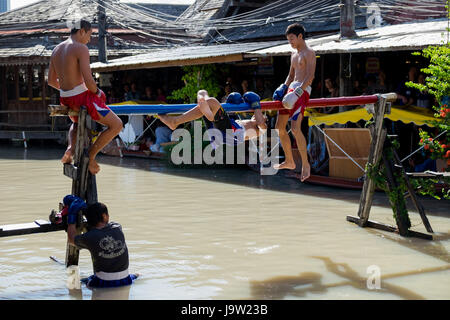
(253, 100)
(235, 98)
(280, 92)
(101, 94)
(292, 97)
(77, 205)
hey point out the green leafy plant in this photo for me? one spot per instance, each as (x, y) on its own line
(196, 78)
(437, 83)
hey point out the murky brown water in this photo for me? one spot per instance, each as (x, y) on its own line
(217, 234)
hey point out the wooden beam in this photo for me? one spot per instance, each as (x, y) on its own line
(38, 226)
(386, 227)
(245, 4)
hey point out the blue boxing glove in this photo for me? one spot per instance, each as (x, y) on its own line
(280, 92)
(253, 100)
(235, 98)
(76, 205)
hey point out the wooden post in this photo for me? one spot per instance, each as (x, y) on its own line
(398, 204)
(378, 137)
(102, 53)
(84, 183)
(412, 194)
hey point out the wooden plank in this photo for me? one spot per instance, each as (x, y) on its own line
(38, 226)
(373, 224)
(69, 170)
(386, 227)
(59, 110)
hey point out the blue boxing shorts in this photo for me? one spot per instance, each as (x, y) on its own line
(95, 282)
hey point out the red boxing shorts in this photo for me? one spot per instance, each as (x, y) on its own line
(81, 96)
(300, 105)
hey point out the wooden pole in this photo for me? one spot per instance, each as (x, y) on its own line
(412, 194)
(83, 183)
(102, 54)
(376, 148)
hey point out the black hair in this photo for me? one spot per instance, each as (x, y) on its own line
(296, 29)
(84, 24)
(94, 213)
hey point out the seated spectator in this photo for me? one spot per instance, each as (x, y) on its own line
(405, 94)
(424, 99)
(111, 97)
(357, 89)
(227, 90)
(163, 135)
(244, 86)
(160, 95)
(382, 86)
(133, 94)
(333, 91)
(262, 90)
(428, 164)
(126, 90)
(371, 85)
(148, 96)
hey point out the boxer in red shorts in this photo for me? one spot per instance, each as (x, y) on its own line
(294, 94)
(70, 73)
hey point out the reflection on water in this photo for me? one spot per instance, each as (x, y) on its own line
(222, 233)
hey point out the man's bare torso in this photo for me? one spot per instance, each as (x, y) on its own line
(299, 62)
(65, 59)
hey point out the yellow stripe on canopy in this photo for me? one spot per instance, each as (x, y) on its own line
(416, 115)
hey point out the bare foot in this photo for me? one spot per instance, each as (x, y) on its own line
(168, 121)
(285, 165)
(93, 167)
(306, 172)
(67, 157)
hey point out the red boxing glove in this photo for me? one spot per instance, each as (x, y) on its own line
(101, 94)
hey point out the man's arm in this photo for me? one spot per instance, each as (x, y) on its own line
(291, 75)
(52, 76)
(71, 232)
(260, 119)
(310, 69)
(85, 68)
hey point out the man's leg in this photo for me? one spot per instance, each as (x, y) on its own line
(174, 121)
(114, 126)
(285, 140)
(68, 155)
(296, 126)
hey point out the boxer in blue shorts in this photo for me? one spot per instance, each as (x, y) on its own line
(213, 111)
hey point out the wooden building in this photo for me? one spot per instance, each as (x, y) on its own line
(28, 36)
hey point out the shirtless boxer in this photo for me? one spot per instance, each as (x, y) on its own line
(294, 93)
(70, 73)
(214, 112)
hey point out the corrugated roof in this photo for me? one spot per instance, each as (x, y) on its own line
(190, 55)
(407, 36)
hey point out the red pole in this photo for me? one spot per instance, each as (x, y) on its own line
(325, 102)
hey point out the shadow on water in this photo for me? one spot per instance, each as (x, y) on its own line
(433, 248)
(311, 283)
